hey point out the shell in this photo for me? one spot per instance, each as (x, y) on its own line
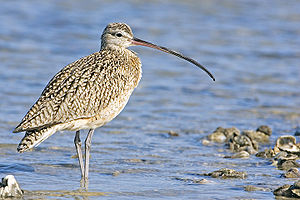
(286, 143)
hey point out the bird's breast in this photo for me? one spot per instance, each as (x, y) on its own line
(103, 116)
(121, 76)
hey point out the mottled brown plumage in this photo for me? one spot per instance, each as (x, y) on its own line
(83, 90)
(89, 92)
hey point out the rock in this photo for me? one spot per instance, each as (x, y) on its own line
(283, 191)
(285, 161)
(257, 136)
(134, 160)
(290, 191)
(197, 181)
(206, 142)
(221, 135)
(242, 143)
(241, 154)
(10, 187)
(251, 150)
(285, 156)
(218, 135)
(220, 129)
(201, 181)
(295, 188)
(267, 153)
(296, 184)
(286, 143)
(292, 173)
(231, 132)
(173, 133)
(265, 129)
(287, 164)
(251, 188)
(296, 193)
(297, 131)
(227, 173)
(116, 173)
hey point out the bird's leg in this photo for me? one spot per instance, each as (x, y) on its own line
(77, 142)
(88, 142)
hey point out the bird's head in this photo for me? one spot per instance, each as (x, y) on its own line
(116, 35)
(119, 35)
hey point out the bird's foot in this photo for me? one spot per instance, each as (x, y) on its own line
(84, 184)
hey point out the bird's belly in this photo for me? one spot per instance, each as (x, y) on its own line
(104, 116)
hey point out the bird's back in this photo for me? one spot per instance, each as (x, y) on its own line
(84, 89)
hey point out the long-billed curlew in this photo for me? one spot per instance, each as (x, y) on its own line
(89, 92)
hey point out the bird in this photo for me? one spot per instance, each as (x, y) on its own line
(89, 93)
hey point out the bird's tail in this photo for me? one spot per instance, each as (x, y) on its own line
(34, 138)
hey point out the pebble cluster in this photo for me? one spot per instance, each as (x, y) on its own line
(245, 143)
(284, 154)
(242, 144)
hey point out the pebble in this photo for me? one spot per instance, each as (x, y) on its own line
(10, 187)
(227, 173)
(290, 191)
(297, 131)
(265, 129)
(287, 164)
(116, 173)
(217, 136)
(197, 181)
(173, 134)
(267, 153)
(292, 173)
(251, 188)
(241, 154)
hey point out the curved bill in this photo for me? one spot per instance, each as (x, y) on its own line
(136, 41)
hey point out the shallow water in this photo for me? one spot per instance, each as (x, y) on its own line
(252, 48)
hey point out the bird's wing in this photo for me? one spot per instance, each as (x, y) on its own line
(80, 90)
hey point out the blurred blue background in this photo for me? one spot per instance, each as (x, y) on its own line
(252, 48)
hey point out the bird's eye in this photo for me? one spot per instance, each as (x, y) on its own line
(119, 35)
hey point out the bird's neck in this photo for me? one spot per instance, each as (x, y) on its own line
(119, 49)
(112, 47)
